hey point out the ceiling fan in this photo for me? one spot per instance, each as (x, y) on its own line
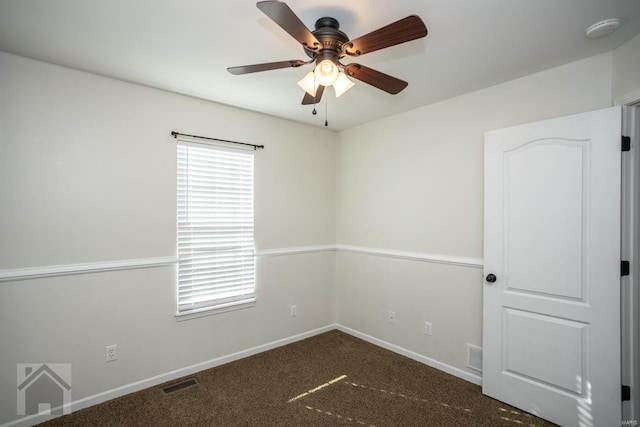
(327, 45)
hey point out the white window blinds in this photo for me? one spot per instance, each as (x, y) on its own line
(215, 228)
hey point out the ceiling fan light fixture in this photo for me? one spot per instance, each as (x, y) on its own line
(342, 84)
(309, 83)
(326, 72)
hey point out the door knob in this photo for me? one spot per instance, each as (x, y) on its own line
(491, 278)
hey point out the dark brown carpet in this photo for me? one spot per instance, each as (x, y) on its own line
(331, 379)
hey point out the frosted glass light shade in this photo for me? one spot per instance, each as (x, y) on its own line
(342, 84)
(326, 72)
(309, 83)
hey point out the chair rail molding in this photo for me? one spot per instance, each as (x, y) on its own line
(414, 256)
(13, 274)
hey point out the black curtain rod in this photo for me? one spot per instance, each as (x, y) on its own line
(176, 134)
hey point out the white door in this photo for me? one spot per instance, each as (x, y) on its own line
(551, 331)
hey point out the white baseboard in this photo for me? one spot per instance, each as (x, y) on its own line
(169, 376)
(456, 372)
(212, 363)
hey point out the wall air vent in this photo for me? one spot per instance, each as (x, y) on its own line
(474, 357)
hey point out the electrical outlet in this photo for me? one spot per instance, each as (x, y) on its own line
(111, 353)
(392, 317)
(294, 310)
(427, 328)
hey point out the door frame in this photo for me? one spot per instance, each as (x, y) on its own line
(630, 250)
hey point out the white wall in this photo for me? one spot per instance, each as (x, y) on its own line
(414, 182)
(87, 174)
(626, 69)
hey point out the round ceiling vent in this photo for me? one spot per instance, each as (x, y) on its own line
(603, 28)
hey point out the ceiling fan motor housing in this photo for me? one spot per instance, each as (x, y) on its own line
(328, 33)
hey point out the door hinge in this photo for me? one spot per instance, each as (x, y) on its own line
(626, 143)
(624, 268)
(626, 393)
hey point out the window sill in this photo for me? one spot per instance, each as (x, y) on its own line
(216, 309)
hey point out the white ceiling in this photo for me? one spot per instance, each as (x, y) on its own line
(185, 46)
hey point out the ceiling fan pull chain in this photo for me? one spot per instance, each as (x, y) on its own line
(326, 123)
(315, 96)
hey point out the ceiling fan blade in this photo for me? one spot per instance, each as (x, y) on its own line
(282, 15)
(375, 78)
(246, 69)
(308, 99)
(404, 30)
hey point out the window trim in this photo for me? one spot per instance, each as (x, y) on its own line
(217, 309)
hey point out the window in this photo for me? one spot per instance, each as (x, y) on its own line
(216, 267)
